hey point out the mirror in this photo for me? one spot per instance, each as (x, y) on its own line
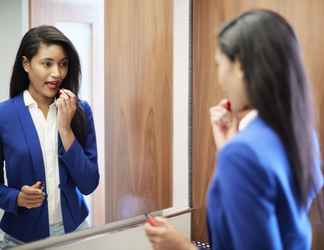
(128, 76)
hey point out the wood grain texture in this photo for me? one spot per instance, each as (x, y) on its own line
(138, 38)
(206, 20)
(307, 17)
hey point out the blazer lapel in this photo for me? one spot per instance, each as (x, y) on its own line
(31, 138)
(61, 151)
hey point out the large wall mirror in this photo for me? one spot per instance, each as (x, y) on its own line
(150, 86)
(135, 76)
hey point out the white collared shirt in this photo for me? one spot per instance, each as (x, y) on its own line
(48, 137)
(249, 117)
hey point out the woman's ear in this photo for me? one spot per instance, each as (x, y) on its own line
(25, 64)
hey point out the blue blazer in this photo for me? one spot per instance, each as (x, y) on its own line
(20, 152)
(252, 198)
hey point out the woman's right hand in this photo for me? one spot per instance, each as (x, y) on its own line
(31, 196)
(164, 236)
(224, 123)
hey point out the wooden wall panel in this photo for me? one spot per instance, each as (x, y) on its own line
(206, 19)
(138, 42)
(307, 17)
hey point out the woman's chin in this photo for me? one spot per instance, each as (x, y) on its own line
(51, 93)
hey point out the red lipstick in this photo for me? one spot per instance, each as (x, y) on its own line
(150, 219)
(228, 106)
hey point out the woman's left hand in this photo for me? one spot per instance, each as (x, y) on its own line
(164, 236)
(66, 104)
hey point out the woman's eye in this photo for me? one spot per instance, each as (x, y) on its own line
(64, 64)
(47, 64)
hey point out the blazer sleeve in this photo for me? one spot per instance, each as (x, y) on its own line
(248, 193)
(81, 162)
(8, 196)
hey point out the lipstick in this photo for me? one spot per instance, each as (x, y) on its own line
(228, 106)
(150, 219)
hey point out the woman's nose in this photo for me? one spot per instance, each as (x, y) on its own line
(56, 72)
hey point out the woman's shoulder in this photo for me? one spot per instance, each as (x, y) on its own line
(258, 131)
(7, 105)
(8, 112)
(240, 162)
(257, 145)
(261, 139)
(238, 151)
(7, 102)
(85, 106)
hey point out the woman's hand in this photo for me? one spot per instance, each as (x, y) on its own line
(31, 196)
(66, 105)
(164, 236)
(224, 123)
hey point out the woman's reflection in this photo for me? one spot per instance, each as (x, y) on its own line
(47, 142)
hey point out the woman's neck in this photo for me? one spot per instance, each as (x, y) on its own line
(43, 102)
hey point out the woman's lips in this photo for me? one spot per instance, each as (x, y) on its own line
(53, 84)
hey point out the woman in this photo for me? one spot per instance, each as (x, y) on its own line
(47, 141)
(268, 173)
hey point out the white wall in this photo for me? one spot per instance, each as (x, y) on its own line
(181, 61)
(12, 25)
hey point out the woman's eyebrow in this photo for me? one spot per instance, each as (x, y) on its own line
(47, 59)
(52, 60)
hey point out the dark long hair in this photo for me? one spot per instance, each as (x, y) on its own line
(29, 47)
(267, 48)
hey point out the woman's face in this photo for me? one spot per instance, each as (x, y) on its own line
(46, 71)
(231, 80)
